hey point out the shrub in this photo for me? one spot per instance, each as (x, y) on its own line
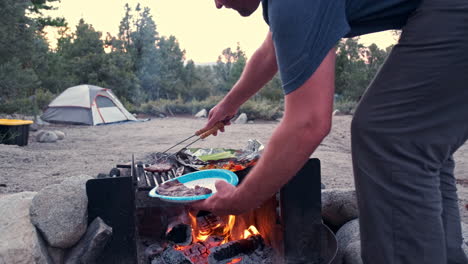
(43, 98)
(255, 109)
(18, 106)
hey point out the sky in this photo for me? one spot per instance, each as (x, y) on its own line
(202, 30)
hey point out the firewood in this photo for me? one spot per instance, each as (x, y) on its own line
(235, 249)
(180, 234)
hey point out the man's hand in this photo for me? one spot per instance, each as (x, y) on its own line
(224, 202)
(222, 112)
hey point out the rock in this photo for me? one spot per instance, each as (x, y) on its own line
(20, 242)
(60, 134)
(77, 181)
(46, 137)
(250, 122)
(347, 234)
(242, 119)
(339, 206)
(465, 232)
(91, 244)
(39, 133)
(322, 186)
(352, 253)
(465, 249)
(201, 114)
(57, 255)
(337, 113)
(59, 211)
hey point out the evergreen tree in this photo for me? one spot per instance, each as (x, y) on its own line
(229, 67)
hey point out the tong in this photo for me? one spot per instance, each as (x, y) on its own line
(200, 134)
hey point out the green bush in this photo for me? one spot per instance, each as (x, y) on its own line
(17, 106)
(255, 109)
(43, 98)
(262, 109)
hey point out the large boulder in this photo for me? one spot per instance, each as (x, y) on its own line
(339, 206)
(59, 211)
(46, 137)
(352, 253)
(242, 119)
(347, 234)
(201, 114)
(91, 244)
(19, 241)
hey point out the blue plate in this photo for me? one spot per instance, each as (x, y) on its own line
(204, 178)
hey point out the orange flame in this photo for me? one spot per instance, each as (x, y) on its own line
(251, 231)
(202, 232)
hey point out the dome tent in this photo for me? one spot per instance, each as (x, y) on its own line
(86, 105)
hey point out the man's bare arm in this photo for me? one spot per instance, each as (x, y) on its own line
(306, 122)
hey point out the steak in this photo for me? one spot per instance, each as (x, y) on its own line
(176, 188)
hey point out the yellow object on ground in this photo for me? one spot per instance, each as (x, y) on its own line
(14, 122)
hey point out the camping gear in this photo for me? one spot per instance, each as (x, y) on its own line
(14, 131)
(206, 178)
(86, 105)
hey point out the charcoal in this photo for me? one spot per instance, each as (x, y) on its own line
(235, 249)
(154, 249)
(172, 256)
(180, 234)
(261, 256)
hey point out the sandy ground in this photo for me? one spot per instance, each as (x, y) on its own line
(91, 150)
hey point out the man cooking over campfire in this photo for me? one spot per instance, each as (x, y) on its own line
(410, 121)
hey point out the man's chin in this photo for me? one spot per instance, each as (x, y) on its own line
(245, 12)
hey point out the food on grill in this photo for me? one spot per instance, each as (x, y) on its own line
(176, 188)
(230, 165)
(159, 167)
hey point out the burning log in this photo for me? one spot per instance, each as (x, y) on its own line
(235, 249)
(199, 252)
(207, 221)
(180, 234)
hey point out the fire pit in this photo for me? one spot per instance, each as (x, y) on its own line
(285, 229)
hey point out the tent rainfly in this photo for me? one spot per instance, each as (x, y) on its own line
(86, 105)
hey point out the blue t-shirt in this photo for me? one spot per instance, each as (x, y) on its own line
(305, 30)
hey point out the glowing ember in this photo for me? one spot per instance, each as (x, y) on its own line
(210, 231)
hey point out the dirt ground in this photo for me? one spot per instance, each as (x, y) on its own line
(91, 150)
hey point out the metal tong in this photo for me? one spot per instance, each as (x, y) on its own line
(200, 134)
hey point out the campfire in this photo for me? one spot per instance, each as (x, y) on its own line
(213, 239)
(284, 229)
